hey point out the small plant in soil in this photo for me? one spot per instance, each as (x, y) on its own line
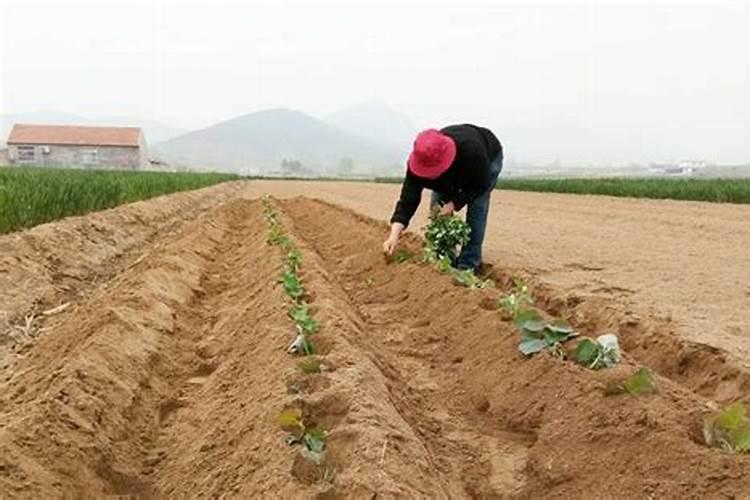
(467, 278)
(518, 300)
(312, 438)
(302, 344)
(538, 334)
(402, 255)
(309, 365)
(729, 429)
(294, 259)
(306, 324)
(595, 354)
(638, 384)
(443, 235)
(442, 265)
(292, 284)
(286, 244)
(276, 235)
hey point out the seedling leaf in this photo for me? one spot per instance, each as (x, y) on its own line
(301, 316)
(552, 337)
(444, 265)
(401, 256)
(741, 439)
(293, 259)
(526, 315)
(588, 353)
(600, 353)
(309, 365)
(292, 285)
(732, 417)
(515, 301)
(290, 419)
(533, 325)
(315, 440)
(730, 429)
(467, 278)
(531, 345)
(308, 348)
(639, 383)
(560, 326)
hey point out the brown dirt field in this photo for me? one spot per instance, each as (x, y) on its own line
(684, 262)
(163, 376)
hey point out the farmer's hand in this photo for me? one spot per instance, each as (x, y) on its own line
(390, 244)
(448, 208)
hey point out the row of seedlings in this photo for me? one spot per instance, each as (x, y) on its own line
(728, 429)
(312, 438)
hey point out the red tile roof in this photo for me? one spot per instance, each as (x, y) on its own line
(74, 135)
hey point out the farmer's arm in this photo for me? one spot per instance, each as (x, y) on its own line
(408, 202)
(411, 195)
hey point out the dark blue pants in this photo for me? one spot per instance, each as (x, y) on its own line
(476, 217)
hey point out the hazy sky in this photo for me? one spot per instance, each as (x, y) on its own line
(603, 81)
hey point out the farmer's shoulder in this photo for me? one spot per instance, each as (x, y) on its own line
(473, 138)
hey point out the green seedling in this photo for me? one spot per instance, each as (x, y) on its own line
(294, 259)
(517, 300)
(309, 365)
(271, 217)
(444, 234)
(729, 429)
(291, 419)
(286, 244)
(639, 383)
(443, 264)
(292, 284)
(538, 334)
(400, 256)
(592, 354)
(315, 440)
(312, 438)
(275, 235)
(300, 314)
(467, 278)
(529, 319)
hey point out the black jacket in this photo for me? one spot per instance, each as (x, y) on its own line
(466, 178)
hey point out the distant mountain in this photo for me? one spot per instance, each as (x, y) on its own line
(376, 122)
(154, 130)
(277, 141)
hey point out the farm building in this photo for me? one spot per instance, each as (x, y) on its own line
(74, 146)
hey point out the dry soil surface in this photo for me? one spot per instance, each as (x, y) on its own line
(164, 373)
(686, 262)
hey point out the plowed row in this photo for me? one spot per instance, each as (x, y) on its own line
(164, 381)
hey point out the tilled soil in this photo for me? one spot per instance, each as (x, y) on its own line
(163, 380)
(684, 263)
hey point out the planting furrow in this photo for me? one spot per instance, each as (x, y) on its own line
(426, 335)
(54, 266)
(371, 449)
(468, 456)
(82, 409)
(218, 436)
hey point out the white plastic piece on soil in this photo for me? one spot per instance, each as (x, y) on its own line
(297, 346)
(611, 347)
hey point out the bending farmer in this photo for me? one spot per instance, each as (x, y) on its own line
(460, 164)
